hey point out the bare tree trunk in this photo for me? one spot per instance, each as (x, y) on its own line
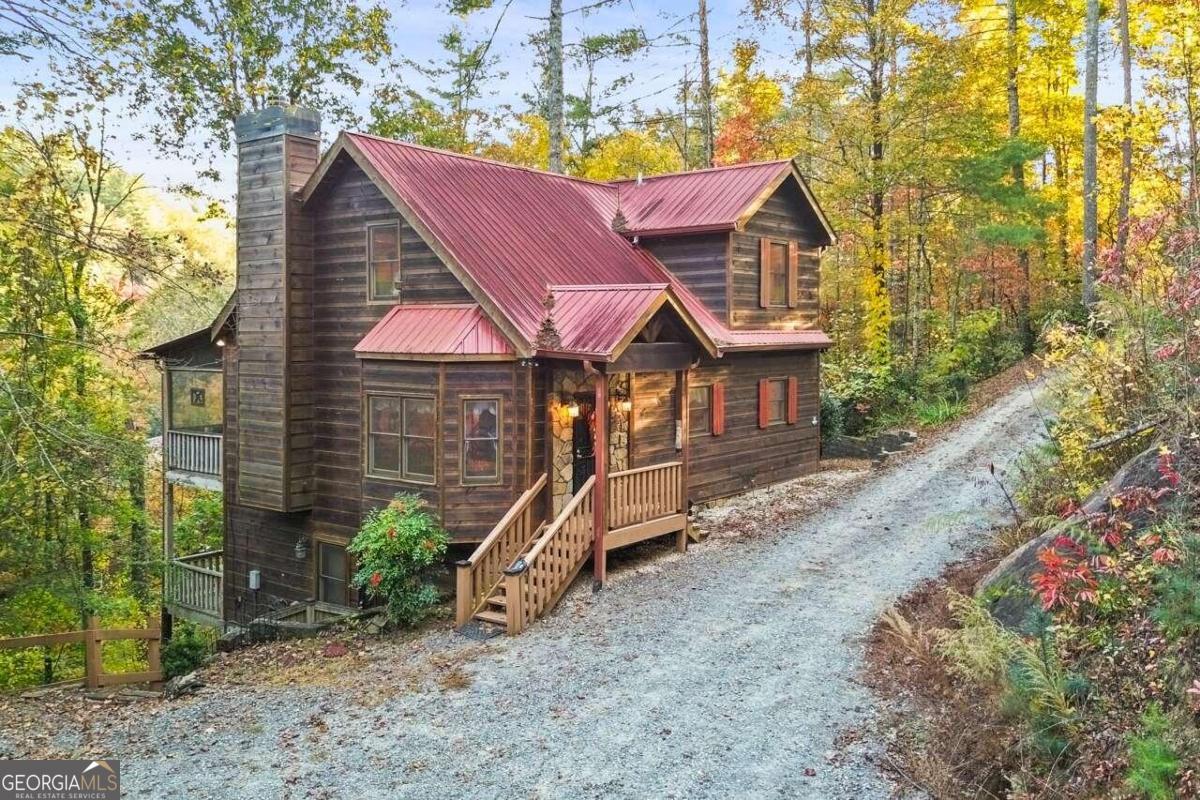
(706, 109)
(554, 89)
(1024, 323)
(139, 557)
(1090, 227)
(1126, 133)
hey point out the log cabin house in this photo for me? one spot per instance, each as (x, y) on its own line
(558, 366)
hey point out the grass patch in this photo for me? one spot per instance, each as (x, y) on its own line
(938, 411)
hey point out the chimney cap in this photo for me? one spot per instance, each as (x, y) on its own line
(275, 120)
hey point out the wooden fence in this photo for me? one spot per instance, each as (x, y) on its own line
(92, 637)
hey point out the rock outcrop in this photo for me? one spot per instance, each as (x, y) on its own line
(1013, 608)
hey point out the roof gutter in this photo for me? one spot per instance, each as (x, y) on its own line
(680, 230)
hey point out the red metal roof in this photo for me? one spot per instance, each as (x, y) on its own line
(594, 320)
(515, 232)
(704, 200)
(458, 330)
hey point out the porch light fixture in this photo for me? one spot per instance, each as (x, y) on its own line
(220, 342)
(573, 409)
(301, 549)
(626, 405)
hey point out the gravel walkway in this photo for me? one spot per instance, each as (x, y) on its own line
(728, 672)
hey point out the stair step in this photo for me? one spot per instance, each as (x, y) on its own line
(499, 600)
(494, 617)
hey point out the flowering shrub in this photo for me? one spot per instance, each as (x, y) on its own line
(398, 549)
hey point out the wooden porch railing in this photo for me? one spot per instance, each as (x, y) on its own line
(644, 503)
(645, 493)
(478, 576)
(536, 582)
(196, 584)
(194, 452)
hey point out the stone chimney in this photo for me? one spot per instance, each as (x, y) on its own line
(278, 148)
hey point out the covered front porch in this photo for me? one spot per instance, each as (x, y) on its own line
(615, 474)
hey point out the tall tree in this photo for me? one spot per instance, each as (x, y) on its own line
(1013, 53)
(1126, 130)
(200, 63)
(1091, 59)
(554, 84)
(706, 98)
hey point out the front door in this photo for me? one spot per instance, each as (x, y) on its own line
(583, 451)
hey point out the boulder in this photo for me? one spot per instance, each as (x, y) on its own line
(182, 684)
(1013, 609)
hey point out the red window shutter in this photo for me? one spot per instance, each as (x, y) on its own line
(718, 409)
(793, 274)
(764, 403)
(793, 400)
(764, 272)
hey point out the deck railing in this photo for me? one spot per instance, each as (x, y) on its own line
(536, 582)
(195, 583)
(194, 452)
(478, 576)
(643, 494)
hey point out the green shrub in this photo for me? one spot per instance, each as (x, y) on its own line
(833, 416)
(1153, 763)
(981, 347)
(202, 526)
(1178, 590)
(398, 548)
(186, 650)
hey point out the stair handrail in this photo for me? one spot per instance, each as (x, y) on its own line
(533, 588)
(479, 574)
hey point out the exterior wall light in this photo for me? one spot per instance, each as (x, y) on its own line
(219, 343)
(573, 409)
(626, 405)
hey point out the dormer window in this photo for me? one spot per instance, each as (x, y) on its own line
(383, 261)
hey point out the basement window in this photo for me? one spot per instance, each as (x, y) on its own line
(333, 574)
(383, 260)
(401, 437)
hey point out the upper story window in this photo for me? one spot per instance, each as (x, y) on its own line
(775, 273)
(401, 437)
(481, 440)
(383, 260)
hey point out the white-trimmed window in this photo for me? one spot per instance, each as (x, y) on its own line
(481, 454)
(383, 260)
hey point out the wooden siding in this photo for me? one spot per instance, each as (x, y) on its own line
(785, 216)
(700, 262)
(652, 440)
(341, 317)
(274, 276)
(256, 538)
(745, 456)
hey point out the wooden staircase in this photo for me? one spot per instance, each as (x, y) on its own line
(524, 566)
(495, 608)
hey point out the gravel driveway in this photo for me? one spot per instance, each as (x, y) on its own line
(728, 672)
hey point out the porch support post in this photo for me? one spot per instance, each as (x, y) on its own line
(168, 491)
(600, 489)
(682, 382)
